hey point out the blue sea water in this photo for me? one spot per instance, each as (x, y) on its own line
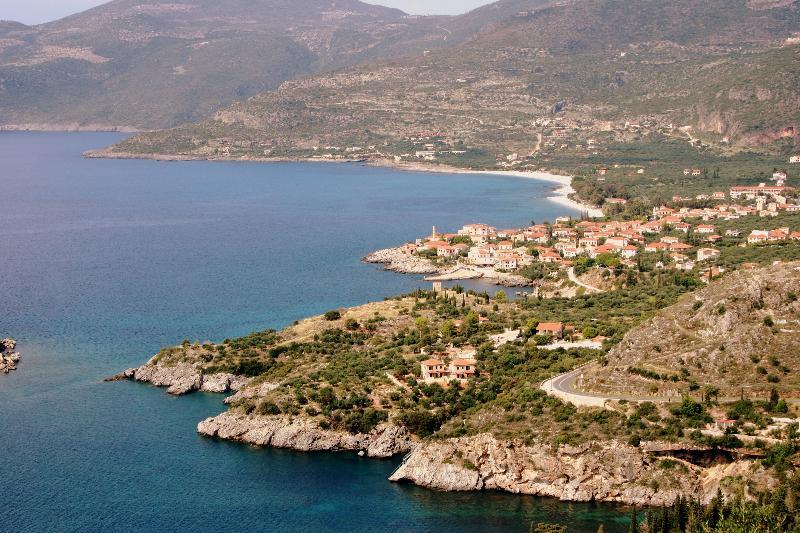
(103, 262)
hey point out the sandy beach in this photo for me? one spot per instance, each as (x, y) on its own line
(560, 195)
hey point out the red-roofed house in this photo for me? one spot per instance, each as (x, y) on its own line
(553, 329)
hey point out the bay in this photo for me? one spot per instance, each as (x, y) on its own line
(103, 262)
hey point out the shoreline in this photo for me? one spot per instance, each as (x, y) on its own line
(559, 195)
(67, 128)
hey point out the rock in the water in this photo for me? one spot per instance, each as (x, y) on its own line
(304, 435)
(8, 358)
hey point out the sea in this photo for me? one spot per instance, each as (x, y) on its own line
(103, 262)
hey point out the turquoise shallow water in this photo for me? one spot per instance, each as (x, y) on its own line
(104, 262)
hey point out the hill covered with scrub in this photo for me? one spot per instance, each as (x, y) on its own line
(584, 68)
(736, 337)
(154, 64)
(352, 380)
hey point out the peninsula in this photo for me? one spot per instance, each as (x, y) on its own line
(456, 378)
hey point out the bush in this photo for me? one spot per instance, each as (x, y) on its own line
(330, 316)
(364, 421)
(420, 423)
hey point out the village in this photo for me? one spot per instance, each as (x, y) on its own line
(682, 238)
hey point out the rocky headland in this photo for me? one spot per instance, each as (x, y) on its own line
(396, 260)
(8, 357)
(385, 440)
(182, 378)
(609, 471)
(352, 380)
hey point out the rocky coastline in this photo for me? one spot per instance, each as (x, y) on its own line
(607, 471)
(396, 260)
(386, 440)
(182, 378)
(8, 357)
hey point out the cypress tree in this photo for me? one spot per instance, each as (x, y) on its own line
(634, 526)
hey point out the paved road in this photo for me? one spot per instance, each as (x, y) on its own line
(563, 387)
(574, 279)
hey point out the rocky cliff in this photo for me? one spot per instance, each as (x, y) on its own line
(182, 378)
(305, 435)
(601, 471)
(8, 357)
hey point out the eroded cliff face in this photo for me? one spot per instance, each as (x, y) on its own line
(604, 471)
(305, 435)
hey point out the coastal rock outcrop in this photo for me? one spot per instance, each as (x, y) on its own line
(607, 471)
(395, 260)
(299, 434)
(8, 357)
(182, 378)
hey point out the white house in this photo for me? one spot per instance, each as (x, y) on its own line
(704, 254)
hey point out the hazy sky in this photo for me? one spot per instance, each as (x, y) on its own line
(37, 11)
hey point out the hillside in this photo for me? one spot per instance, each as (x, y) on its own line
(739, 336)
(359, 379)
(156, 64)
(586, 67)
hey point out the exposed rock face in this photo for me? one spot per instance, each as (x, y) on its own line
(396, 260)
(255, 391)
(8, 357)
(608, 471)
(304, 435)
(182, 378)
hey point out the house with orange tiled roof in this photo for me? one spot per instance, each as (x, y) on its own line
(679, 247)
(553, 329)
(655, 247)
(549, 257)
(705, 229)
(629, 252)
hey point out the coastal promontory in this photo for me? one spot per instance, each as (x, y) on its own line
(454, 380)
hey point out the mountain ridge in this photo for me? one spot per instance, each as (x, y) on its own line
(486, 94)
(150, 65)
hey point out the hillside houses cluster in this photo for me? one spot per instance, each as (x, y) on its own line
(481, 245)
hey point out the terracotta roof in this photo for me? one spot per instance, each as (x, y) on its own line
(550, 326)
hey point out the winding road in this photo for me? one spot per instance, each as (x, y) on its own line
(574, 279)
(563, 387)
